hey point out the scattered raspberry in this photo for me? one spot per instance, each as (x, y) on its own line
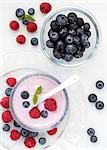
(50, 104)
(14, 25)
(14, 135)
(53, 131)
(6, 116)
(31, 27)
(34, 113)
(11, 81)
(21, 39)
(5, 102)
(45, 7)
(30, 142)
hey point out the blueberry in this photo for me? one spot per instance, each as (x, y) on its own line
(72, 17)
(76, 40)
(56, 53)
(44, 113)
(49, 44)
(80, 22)
(92, 98)
(69, 39)
(34, 41)
(49, 32)
(33, 134)
(80, 31)
(73, 26)
(26, 104)
(60, 45)
(54, 36)
(20, 12)
(91, 131)
(61, 20)
(63, 55)
(68, 57)
(84, 39)
(8, 91)
(93, 139)
(78, 54)
(88, 33)
(16, 124)
(99, 105)
(25, 21)
(100, 84)
(42, 141)
(25, 95)
(71, 49)
(6, 127)
(87, 45)
(54, 26)
(63, 32)
(86, 27)
(24, 132)
(72, 32)
(31, 11)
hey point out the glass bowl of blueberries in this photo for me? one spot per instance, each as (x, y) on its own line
(70, 36)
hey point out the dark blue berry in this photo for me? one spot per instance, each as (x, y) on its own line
(68, 57)
(26, 104)
(61, 20)
(100, 84)
(71, 49)
(63, 32)
(99, 105)
(33, 134)
(86, 27)
(56, 53)
(16, 124)
(54, 36)
(69, 39)
(8, 91)
(63, 55)
(20, 12)
(25, 21)
(72, 32)
(44, 113)
(91, 131)
(31, 11)
(92, 98)
(84, 39)
(49, 44)
(80, 31)
(78, 54)
(72, 17)
(42, 141)
(80, 22)
(24, 132)
(6, 127)
(34, 41)
(76, 40)
(73, 26)
(87, 45)
(88, 33)
(25, 95)
(49, 32)
(54, 26)
(93, 139)
(60, 45)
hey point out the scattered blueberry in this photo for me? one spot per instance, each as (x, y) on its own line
(6, 127)
(91, 131)
(92, 98)
(44, 113)
(42, 141)
(34, 41)
(20, 12)
(25, 21)
(93, 139)
(25, 95)
(99, 105)
(8, 91)
(24, 132)
(61, 20)
(26, 104)
(49, 44)
(33, 134)
(31, 11)
(16, 124)
(100, 84)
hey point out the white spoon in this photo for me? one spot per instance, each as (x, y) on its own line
(71, 80)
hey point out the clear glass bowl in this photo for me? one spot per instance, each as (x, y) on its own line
(94, 39)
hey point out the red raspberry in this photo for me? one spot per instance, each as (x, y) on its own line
(35, 113)
(31, 27)
(14, 25)
(5, 102)
(53, 131)
(50, 104)
(14, 135)
(45, 7)
(6, 116)
(21, 39)
(30, 142)
(11, 81)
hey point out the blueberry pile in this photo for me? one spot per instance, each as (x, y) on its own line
(91, 133)
(68, 36)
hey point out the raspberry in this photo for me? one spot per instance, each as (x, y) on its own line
(11, 81)
(14, 135)
(34, 113)
(45, 7)
(31, 27)
(53, 131)
(14, 25)
(30, 142)
(5, 102)
(21, 39)
(50, 104)
(6, 116)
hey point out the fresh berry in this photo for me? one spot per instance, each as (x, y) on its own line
(16, 124)
(5, 102)
(25, 21)
(54, 36)
(61, 20)
(56, 54)
(63, 32)
(14, 135)
(26, 104)
(25, 95)
(80, 22)
(50, 104)
(100, 84)
(92, 98)
(42, 141)
(33, 134)
(35, 113)
(71, 49)
(86, 27)
(20, 12)
(44, 113)
(88, 33)
(68, 57)
(30, 142)
(52, 132)
(72, 17)
(14, 25)
(91, 131)
(76, 40)
(99, 105)
(54, 26)
(80, 31)
(6, 116)
(45, 7)
(34, 41)
(78, 54)
(31, 27)
(60, 45)
(72, 32)
(49, 44)
(31, 11)
(6, 127)
(21, 39)
(73, 26)
(11, 81)
(24, 132)
(69, 39)
(93, 139)
(8, 91)
(87, 45)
